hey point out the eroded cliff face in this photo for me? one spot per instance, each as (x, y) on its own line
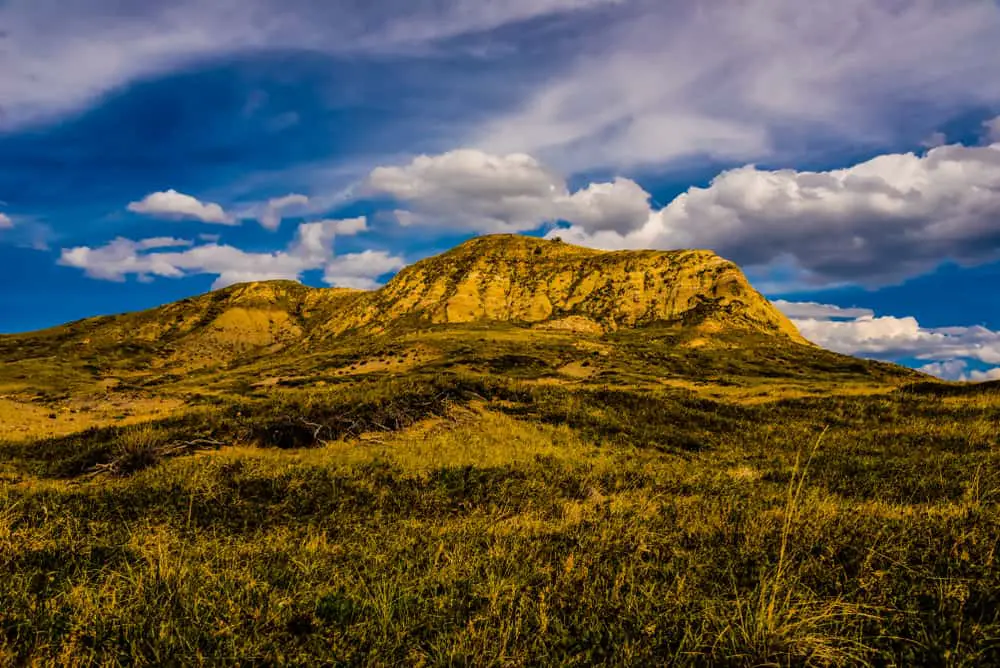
(549, 283)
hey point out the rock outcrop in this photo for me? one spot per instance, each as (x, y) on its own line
(531, 281)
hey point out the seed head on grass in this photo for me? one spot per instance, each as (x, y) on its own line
(782, 622)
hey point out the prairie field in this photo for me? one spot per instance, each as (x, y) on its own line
(498, 497)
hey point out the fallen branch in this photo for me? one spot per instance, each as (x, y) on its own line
(118, 467)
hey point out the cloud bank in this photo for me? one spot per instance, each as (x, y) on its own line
(874, 223)
(311, 249)
(659, 81)
(877, 222)
(959, 370)
(949, 350)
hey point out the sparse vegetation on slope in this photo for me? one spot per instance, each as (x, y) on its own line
(503, 278)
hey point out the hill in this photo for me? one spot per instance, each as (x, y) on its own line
(519, 452)
(513, 278)
(502, 303)
(501, 278)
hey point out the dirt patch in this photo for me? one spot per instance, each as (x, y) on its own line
(21, 420)
(577, 370)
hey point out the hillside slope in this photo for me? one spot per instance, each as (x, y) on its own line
(502, 278)
(542, 311)
(203, 330)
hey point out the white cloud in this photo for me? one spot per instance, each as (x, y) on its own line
(5, 221)
(821, 311)
(951, 370)
(473, 189)
(948, 350)
(616, 206)
(314, 240)
(877, 222)
(174, 205)
(985, 376)
(898, 338)
(311, 249)
(476, 191)
(359, 270)
(270, 218)
(347, 227)
(119, 258)
(959, 370)
(816, 228)
(162, 242)
(741, 81)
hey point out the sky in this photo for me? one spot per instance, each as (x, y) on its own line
(846, 154)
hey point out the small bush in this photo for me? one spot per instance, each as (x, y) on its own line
(136, 448)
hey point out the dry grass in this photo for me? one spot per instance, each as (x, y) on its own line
(22, 420)
(486, 494)
(544, 526)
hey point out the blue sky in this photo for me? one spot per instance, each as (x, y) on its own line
(846, 154)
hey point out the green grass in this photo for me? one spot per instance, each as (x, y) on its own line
(476, 519)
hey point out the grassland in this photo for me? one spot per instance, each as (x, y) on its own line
(495, 495)
(518, 453)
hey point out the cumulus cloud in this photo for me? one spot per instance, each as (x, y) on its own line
(171, 204)
(473, 190)
(311, 249)
(959, 370)
(877, 222)
(951, 370)
(899, 338)
(948, 350)
(359, 270)
(612, 207)
(984, 376)
(162, 242)
(314, 240)
(271, 216)
(5, 221)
